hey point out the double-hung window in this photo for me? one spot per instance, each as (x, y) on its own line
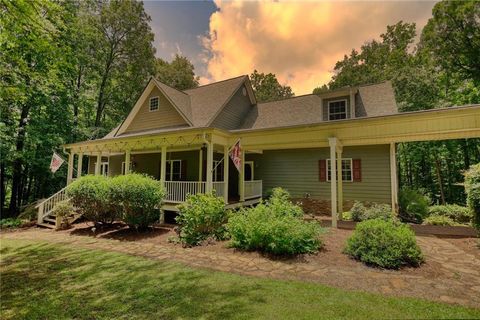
(346, 170)
(337, 109)
(217, 171)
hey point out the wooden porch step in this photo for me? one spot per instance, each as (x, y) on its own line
(46, 225)
(53, 220)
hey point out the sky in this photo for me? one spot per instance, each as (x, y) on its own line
(298, 41)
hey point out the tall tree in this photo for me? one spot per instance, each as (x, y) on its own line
(267, 87)
(125, 53)
(179, 73)
(453, 37)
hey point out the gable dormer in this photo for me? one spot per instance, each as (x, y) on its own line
(158, 107)
(338, 105)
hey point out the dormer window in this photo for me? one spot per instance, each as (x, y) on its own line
(154, 104)
(337, 109)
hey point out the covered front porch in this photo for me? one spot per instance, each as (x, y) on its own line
(185, 164)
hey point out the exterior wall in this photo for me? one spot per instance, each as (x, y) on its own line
(115, 165)
(325, 106)
(297, 171)
(235, 112)
(165, 116)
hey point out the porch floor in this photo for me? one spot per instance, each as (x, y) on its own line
(232, 204)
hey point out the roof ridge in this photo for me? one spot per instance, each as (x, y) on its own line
(289, 98)
(208, 84)
(156, 80)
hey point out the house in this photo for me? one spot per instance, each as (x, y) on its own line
(182, 137)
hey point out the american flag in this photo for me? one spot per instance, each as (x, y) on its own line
(236, 155)
(56, 162)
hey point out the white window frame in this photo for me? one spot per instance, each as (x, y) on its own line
(123, 167)
(171, 169)
(251, 164)
(217, 168)
(338, 100)
(351, 169)
(150, 104)
(104, 168)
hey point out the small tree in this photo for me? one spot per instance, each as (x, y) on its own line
(472, 188)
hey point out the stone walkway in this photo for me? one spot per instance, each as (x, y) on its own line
(450, 274)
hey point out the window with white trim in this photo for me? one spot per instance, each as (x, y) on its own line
(123, 167)
(249, 167)
(337, 109)
(217, 171)
(347, 174)
(154, 103)
(174, 170)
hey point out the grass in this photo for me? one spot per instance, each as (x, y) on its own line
(45, 281)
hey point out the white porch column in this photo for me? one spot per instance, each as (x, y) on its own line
(209, 169)
(333, 179)
(79, 164)
(98, 164)
(393, 177)
(163, 166)
(71, 156)
(225, 173)
(241, 178)
(127, 162)
(340, 181)
(200, 165)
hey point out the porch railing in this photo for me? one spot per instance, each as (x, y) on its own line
(218, 187)
(253, 189)
(177, 190)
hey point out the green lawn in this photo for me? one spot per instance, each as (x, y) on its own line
(43, 281)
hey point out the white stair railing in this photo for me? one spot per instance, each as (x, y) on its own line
(46, 206)
(218, 187)
(253, 189)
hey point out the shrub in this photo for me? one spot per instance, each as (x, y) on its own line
(387, 244)
(275, 226)
(455, 212)
(200, 217)
(472, 188)
(10, 223)
(439, 220)
(137, 199)
(91, 196)
(376, 211)
(61, 211)
(29, 212)
(413, 205)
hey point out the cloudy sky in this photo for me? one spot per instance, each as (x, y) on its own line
(298, 41)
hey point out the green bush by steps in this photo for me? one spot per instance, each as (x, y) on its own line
(91, 196)
(386, 244)
(200, 217)
(275, 227)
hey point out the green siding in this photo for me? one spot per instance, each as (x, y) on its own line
(297, 171)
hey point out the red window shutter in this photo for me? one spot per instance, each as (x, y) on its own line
(357, 170)
(184, 171)
(322, 170)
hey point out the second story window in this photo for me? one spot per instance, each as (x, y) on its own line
(337, 110)
(154, 104)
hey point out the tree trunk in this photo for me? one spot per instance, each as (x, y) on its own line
(103, 85)
(76, 96)
(3, 188)
(440, 180)
(18, 162)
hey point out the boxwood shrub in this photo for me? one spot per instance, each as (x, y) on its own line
(387, 244)
(376, 211)
(439, 220)
(455, 212)
(275, 227)
(200, 217)
(472, 187)
(91, 196)
(137, 199)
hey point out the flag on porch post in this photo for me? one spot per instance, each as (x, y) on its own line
(56, 162)
(236, 155)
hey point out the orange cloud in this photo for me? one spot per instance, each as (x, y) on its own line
(299, 42)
